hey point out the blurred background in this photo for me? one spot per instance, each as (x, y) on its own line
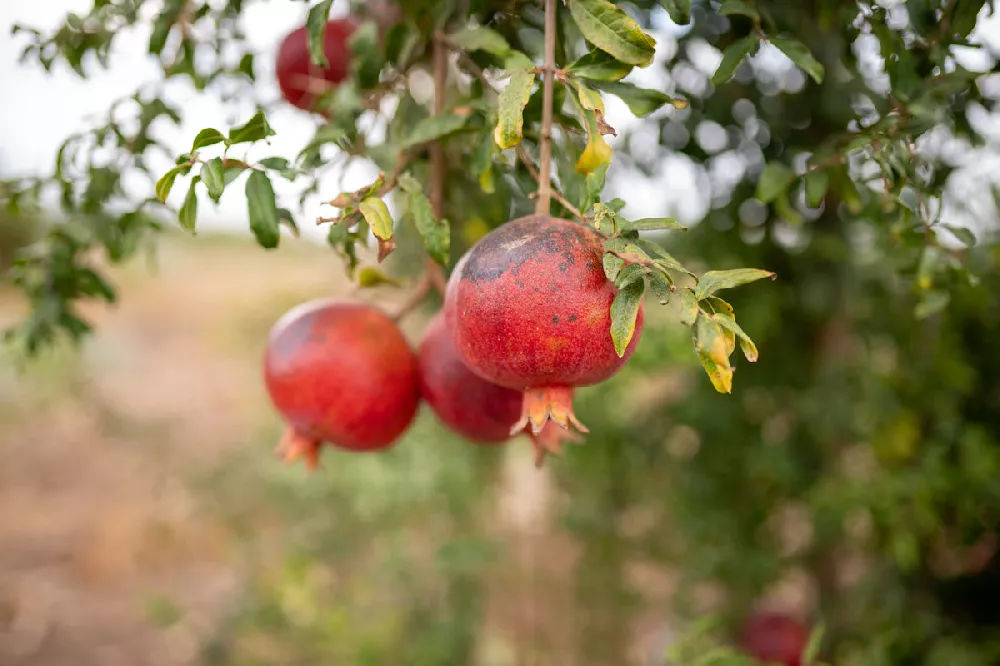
(852, 479)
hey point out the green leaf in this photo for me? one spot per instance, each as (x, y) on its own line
(255, 129)
(730, 7)
(482, 163)
(612, 30)
(369, 277)
(711, 345)
(689, 307)
(166, 182)
(276, 163)
(434, 127)
(599, 65)
(774, 181)
(800, 55)
(612, 265)
(649, 224)
(661, 257)
(481, 39)
(630, 274)
(963, 234)
(589, 98)
(624, 310)
(376, 214)
(817, 182)
(679, 11)
(513, 99)
(660, 287)
(435, 233)
(207, 137)
(931, 302)
(262, 210)
(640, 101)
(714, 281)
(400, 42)
(815, 642)
(212, 176)
(316, 22)
(734, 55)
(964, 17)
(188, 214)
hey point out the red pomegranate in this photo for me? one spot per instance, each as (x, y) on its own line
(301, 82)
(480, 411)
(340, 373)
(774, 638)
(529, 308)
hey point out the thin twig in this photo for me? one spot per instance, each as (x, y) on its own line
(415, 298)
(543, 205)
(437, 151)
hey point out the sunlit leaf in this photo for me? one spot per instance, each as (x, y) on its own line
(640, 101)
(599, 66)
(963, 234)
(714, 281)
(649, 224)
(734, 55)
(513, 99)
(710, 345)
(798, 53)
(207, 137)
(166, 182)
(612, 30)
(255, 129)
(624, 310)
(376, 214)
(597, 152)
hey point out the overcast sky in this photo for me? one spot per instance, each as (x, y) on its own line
(41, 108)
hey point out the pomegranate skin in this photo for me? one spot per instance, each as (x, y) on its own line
(340, 373)
(300, 81)
(476, 409)
(774, 638)
(529, 306)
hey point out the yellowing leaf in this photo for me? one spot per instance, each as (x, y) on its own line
(624, 310)
(713, 281)
(376, 214)
(589, 98)
(372, 277)
(597, 151)
(513, 99)
(710, 344)
(612, 30)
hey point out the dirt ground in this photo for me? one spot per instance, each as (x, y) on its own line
(96, 518)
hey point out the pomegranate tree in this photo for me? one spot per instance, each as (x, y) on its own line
(340, 373)
(479, 410)
(301, 81)
(774, 638)
(529, 309)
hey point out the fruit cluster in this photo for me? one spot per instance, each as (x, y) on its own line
(526, 319)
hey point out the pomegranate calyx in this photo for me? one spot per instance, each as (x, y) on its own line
(548, 403)
(550, 441)
(294, 445)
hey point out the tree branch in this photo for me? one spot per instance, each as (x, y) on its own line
(543, 205)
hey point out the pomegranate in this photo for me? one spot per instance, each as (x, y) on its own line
(529, 308)
(469, 405)
(302, 82)
(774, 638)
(340, 373)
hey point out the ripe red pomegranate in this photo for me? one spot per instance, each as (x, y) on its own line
(301, 82)
(476, 409)
(774, 638)
(340, 373)
(529, 308)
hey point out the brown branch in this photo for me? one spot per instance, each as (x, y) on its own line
(543, 204)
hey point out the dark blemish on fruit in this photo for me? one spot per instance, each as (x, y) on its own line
(573, 317)
(555, 320)
(520, 285)
(563, 266)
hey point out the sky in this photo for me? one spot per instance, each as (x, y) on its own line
(43, 108)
